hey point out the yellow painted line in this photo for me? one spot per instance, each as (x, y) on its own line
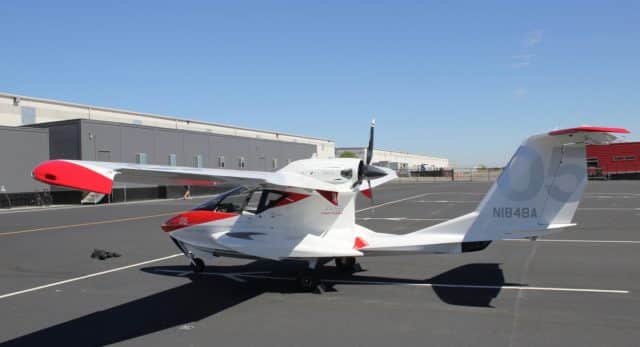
(68, 226)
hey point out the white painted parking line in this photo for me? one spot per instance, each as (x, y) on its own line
(465, 286)
(506, 287)
(113, 204)
(265, 275)
(69, 226)
(609, 208)
(447, 201)
(396, 201)
(403, 219)
(236, 276)
(75, 279)
(578, 241)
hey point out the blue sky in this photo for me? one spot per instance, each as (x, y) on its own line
(465, 80)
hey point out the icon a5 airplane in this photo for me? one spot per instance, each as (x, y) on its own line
(306, 210)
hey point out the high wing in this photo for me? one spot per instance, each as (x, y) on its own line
(99, 177)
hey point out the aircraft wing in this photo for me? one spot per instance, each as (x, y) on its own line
(95, 176)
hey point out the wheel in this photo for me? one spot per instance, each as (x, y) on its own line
(307, 281)
(346, 264)
(197, 265)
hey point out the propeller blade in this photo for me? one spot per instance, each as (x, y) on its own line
(373, 172)
(370, 192)
(370, 147)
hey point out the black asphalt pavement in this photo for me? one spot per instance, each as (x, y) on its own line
(577, 288)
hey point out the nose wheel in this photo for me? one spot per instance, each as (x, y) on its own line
(197, 265)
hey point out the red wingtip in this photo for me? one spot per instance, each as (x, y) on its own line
(66, 174)
(589, 129)
(367, 193)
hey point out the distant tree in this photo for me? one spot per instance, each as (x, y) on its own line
(348, 154)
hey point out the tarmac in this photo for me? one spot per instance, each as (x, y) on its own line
(580, 287)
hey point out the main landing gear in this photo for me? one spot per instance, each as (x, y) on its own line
(309, 281)
(347, 265)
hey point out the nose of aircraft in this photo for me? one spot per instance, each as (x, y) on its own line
(190, 218)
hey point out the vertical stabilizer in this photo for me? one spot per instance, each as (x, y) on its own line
(538, 191)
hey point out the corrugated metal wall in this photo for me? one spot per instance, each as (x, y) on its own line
(123, 142)
(21, 149)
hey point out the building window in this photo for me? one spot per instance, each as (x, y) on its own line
(221, 162)
(197, 161)
(172, 160)
(241, 162)
(592, 162)
(274, 163)
(624, 158)
(28, 115)
(141, 158)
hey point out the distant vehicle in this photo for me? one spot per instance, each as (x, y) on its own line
(306, 210)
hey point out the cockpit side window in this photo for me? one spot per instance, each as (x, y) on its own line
(253, 202)
(272, 199)
(244, 200)
(232, 204)
(231, 201)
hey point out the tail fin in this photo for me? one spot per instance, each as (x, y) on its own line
(538, 191)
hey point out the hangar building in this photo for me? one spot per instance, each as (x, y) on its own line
(614, 161)
(33, 130)
(402, 162)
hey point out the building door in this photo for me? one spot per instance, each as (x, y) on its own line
(593, 167)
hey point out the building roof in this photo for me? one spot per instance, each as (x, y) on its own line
(150, 115)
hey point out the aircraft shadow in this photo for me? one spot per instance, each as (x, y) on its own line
(207, 295)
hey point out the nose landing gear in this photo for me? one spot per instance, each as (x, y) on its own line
(197, 265)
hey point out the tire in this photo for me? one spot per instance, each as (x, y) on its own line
(345, 264)
(197, 265)
(307, 281)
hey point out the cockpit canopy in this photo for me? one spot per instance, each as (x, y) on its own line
(242, 200)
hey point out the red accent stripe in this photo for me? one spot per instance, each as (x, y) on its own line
(190, 218)
(290, 198)
(589, 129)
(332, 197)
(359, 243)
(367, 193)
(71, 175)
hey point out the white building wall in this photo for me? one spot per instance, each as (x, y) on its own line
(412, 161)
(52, 110)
